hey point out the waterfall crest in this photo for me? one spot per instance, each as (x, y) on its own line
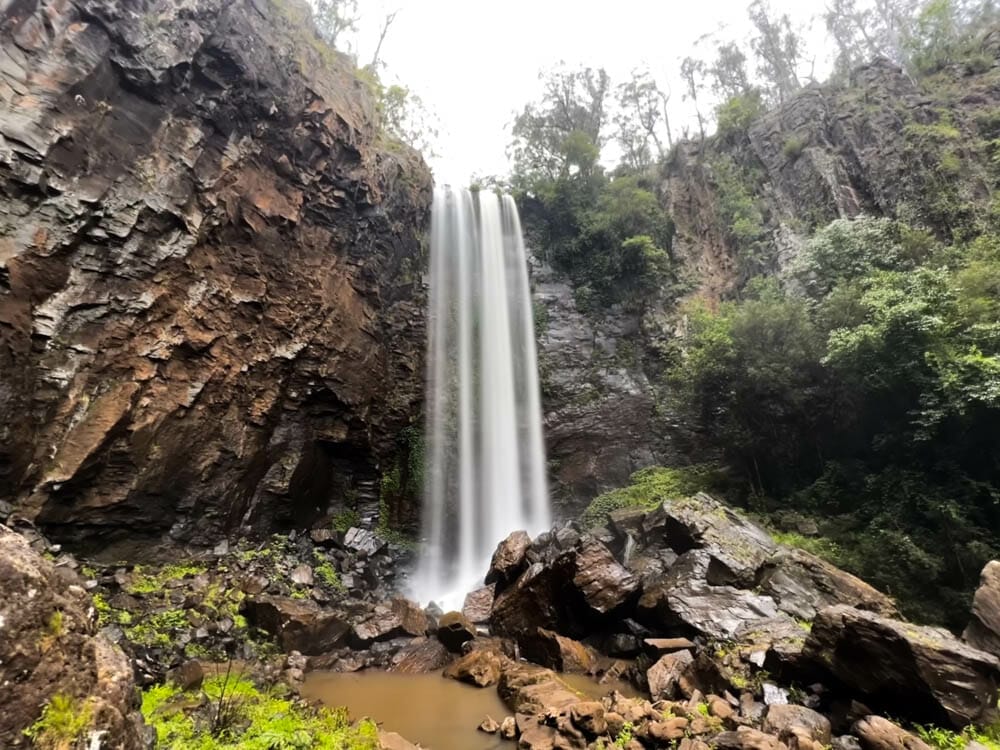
(485, 457)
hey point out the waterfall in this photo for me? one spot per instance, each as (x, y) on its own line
(485, 458)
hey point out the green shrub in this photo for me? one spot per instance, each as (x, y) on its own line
(62, 724)
(257, 719)
(737, 113)
(793, 147)
(649, 488)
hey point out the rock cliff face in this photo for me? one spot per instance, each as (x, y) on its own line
(211, 314)
(601, 419)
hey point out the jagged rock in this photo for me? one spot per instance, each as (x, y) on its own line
(736, 547)
(420, 656)
(549, 649)
(534, 601)
(298, 624)
(665, 676)
(454, 631)
(588, 717)
(49, 646)
(983, 630)
(780, 718)
(684, 598)
(746, 738)
(912, 671)
(604, 583)
(481, 668)
(165, 368)
(489, 725)
(400, 617)
(364, 542)
(801, 584)
(877, 733)
(509, 559)
(478, 604)
(774, 643)
(508, 728)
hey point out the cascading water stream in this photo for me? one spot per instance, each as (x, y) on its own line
(485, 472)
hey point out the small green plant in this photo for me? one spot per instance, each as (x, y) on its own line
(62, 724)
(327, 574)
(793, 147)
(625, 736)
(346, 519)
(235, 714)
(57, 624)
(648, 489)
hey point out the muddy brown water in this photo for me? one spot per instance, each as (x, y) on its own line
(428, 709)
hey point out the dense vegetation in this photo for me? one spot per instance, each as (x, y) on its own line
(858, 389)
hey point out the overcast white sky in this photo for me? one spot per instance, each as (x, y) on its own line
(475, 63)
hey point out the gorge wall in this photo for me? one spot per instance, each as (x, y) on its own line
(744, 202)
(211, 310)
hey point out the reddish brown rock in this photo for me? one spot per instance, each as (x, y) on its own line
(420, 656)
(509, 559)
(878, 733)
(215, 317)
(665, 676)
(781, 718)
(478, 605)
(604, 583)
(549, 649)
(298, 624)
(479, 668)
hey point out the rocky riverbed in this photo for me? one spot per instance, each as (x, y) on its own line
(729, 639)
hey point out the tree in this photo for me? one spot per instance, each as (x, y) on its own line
(693, 75)
(334, 19)
(564, 132)
(642, 109)
(729, 72)
(777, 48)
(406, 117)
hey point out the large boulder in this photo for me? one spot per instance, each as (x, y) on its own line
(394, 619)
(212, 314)
(737, 548)
(421, 655)
(802, 583)
(530, 689)
(480, 668)
(983, 630)
(298, 624)
(50, 651)
(478, 604)
(604, 583)
(455, 630)
(684, 599)
(536, 600)
(911, 671)
(782, 718)
(509, 559)
(665, 676)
